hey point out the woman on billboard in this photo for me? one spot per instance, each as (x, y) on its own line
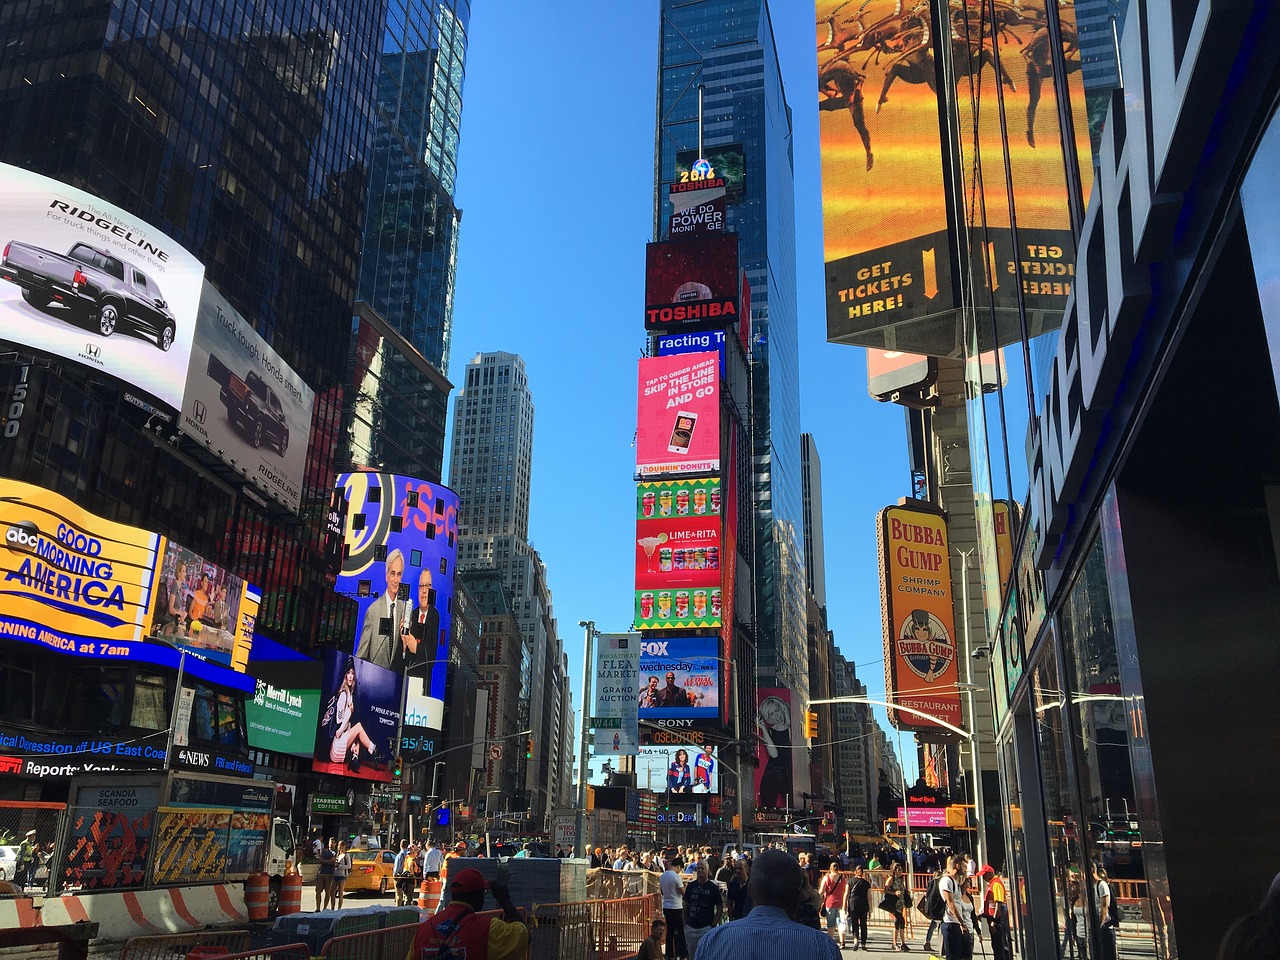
(679, 777)
(347, 738)
(773, 721)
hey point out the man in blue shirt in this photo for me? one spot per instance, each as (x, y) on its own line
(768, 932)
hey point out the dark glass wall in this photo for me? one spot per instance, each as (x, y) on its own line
(243, 132)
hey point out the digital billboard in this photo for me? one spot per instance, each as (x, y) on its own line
(399, 552)
(697, 207)
(283, 720)
(70, 575)
(204, 608)
(614, 714)
(94, 285)
(885, 181)
(691, 282)
(678, 768)
(246, 404)
(892, 373)
(919, 622)
(775, 732)
(677, 554)
(725, 162)
(699, 341)
(678, 415)
(680, 679)
(359, 719)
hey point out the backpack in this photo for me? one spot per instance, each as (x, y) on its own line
(932, 905)
(449, 930)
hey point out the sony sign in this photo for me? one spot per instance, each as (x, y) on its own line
(1174, 72)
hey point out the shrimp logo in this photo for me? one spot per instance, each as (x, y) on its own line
(924, 645)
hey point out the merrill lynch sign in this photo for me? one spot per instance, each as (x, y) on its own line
(1171, 74)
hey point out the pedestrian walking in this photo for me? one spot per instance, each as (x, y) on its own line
(341, 870)
(832, 890)
(324, 875)
(702, 908)
(893, 898)
(932, 908)
(432, 860)
(402, 870)
(857, 906)
(672, 888)
(1108, 919)
(458, 930)
(954, 943)
(768, 932)
(995, 910)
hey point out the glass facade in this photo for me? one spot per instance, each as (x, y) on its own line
(727, 48)
(242, 132)
(409, 261)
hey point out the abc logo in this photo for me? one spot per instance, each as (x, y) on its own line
(22, 536)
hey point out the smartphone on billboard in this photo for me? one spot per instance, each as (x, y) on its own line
(682, 431)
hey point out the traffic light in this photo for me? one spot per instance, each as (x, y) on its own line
(399, 765)
(528, 748)
(811, 724)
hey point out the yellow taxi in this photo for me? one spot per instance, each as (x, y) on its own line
(371, 871)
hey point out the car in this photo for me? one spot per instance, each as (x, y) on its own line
(8, 862)
(372, 871)
(93, 283)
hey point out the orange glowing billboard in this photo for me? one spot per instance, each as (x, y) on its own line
(890, 228)
(919, 621)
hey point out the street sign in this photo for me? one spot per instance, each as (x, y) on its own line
(607, 723)
(495, 751)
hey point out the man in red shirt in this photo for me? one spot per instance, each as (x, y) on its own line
(459, 927)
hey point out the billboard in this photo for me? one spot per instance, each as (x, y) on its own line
(614, 714)
(697, 206)
(680, 680)
(94, 285)
(700, 341)
(891, 373)
(359, 719)
(678, 415)
(886, 182)
(399, 552)
(677, 555)
(68, 578)
(678, 769)
(246, 404)
(725, 162)
(775, 760)
(919, 622)
(109, 840)
(923, 816)
(283, 720)
(204, 608)
(692, 282)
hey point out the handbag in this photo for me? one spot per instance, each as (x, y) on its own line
(889, 903)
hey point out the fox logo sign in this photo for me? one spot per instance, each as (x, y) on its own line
(654, 648)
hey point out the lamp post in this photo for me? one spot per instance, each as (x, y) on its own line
(590, 633)
(405, 777)
(980, 838)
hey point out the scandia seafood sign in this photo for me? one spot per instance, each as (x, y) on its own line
(94, 285)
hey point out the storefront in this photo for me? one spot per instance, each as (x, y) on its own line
(1134, 651)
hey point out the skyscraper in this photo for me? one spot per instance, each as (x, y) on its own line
(815, 568)
(410, 251)
(489, 467)
(726, 49)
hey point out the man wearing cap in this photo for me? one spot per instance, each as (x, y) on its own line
(995, 908)
(459, 928)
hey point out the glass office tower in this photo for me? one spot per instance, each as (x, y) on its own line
(727, 48)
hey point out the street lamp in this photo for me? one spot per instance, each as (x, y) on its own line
(403, 818)
(579, 845)
(980, 840)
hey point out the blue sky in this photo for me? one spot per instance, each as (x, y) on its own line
(556, 187)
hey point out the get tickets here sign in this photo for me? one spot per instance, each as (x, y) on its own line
(919, 621)
(67, 574)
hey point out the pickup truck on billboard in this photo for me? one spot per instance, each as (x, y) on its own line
(252, 406)
(92, 284)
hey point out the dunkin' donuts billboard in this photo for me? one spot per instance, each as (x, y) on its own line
(678, 415)
(919, 622)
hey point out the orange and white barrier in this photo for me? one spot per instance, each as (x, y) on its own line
(133, 913)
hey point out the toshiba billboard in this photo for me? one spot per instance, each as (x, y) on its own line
(691, 283)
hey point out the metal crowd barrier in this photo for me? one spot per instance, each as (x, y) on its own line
(592, 929)
(389, 943)
(285, 951)
(176, 946)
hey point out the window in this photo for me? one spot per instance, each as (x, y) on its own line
(150, 709)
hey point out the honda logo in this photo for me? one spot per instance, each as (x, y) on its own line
(201, 412)
(92, 350)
